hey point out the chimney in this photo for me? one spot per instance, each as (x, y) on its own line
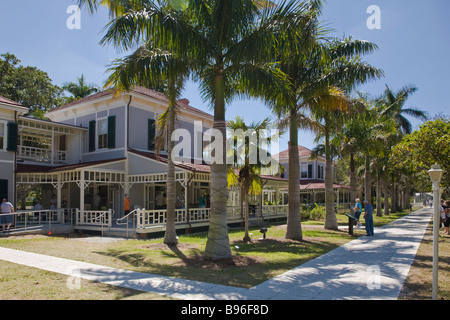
(184, 101)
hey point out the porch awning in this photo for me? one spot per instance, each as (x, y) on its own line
(95, 171)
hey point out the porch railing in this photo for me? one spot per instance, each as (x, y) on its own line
(29, 220)
(41, 155)
(275, 210)
(142, 218)
(94, 218)
(149, 218)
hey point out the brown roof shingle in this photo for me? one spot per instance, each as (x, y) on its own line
(284, 155)
(9, 102)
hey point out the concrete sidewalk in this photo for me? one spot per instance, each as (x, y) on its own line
(365, 268)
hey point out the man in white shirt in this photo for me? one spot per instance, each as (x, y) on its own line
(6, 218)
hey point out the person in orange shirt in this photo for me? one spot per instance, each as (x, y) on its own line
(126, 205)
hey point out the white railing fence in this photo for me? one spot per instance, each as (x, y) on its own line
(29, 220)
(94, 217)
(41, 154)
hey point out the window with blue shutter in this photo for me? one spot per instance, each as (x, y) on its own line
(12, 136)
(92, 135)
(111, 132)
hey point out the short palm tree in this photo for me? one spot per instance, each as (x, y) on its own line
(249, 176)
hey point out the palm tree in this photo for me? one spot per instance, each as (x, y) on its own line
(157, 68)
(232, 41)
(328, 108)
(80, 89)
(392, 105)
(249, 176)
(330, 64)
(347, 140)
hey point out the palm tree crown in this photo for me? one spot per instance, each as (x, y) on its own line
(80, 89)
(392, 105)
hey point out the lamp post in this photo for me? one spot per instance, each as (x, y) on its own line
(435, 174)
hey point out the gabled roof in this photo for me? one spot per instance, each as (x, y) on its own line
(183, 104)
(284, 155)
(12, 104)
(201, 168)
(4, 100)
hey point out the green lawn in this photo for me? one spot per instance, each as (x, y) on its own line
(252, 263)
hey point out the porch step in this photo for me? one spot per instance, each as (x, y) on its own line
(39, 229)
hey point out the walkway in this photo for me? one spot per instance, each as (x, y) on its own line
(365, 268)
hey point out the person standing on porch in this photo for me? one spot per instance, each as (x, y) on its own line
(64, 203)
(368, 216)
(53, 202)
(6, 216)
(202, 202)
(126, 204)
(159, 201)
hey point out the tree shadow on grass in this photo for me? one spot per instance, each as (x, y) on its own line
(251, 263)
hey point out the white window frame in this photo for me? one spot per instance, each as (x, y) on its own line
(5, 132)
(303, 165)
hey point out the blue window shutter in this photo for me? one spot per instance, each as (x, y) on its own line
(12, 132)
(111, 132)
(91, 135)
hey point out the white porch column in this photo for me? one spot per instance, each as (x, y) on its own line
(186, 181)
(52, 154)
(82, 187)
(276, 198)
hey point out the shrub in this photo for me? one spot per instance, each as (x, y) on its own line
(318, 212)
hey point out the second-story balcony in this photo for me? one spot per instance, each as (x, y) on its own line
(45, 142)
(43, 155)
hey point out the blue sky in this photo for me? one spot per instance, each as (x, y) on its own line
(414, 48)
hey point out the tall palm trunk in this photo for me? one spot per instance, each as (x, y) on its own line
(170, 236)
(246, 196)
(386, 197)
(367, 182)
(246, 209)
(218, 243)
(330, 214)
(379, 211)
(353, 191)
(294, 227)
(393, 195)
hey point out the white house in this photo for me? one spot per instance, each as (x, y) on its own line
(95, 150)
